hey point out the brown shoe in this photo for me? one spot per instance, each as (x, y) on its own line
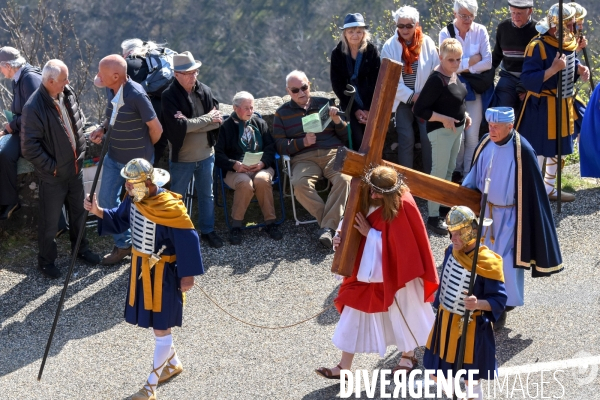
(116, 255)
(170, 370)
(565, 197)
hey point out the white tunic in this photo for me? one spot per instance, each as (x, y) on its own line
(406, 324)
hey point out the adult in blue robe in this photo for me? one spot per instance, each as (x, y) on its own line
(589, 138)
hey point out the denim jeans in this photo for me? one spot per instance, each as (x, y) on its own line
(181, 174)
(110, 195)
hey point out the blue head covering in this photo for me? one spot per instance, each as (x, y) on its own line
(500, 115)
(353, 20)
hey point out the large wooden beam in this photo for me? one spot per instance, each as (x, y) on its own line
(421, 185)
(372, 147)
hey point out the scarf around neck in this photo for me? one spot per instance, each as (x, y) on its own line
(250, 139)
(411, 52)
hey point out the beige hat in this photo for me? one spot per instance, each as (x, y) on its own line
(183, 62)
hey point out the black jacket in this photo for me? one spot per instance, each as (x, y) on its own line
(367, 76)
(228, 150)
(175, 98)
(29, 80)
(45, 141)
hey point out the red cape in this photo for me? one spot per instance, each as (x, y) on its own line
(406, 255)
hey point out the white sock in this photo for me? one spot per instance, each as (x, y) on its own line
(175, 360)
(476, 390)
(161, 355)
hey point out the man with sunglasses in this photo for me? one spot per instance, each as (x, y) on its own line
(192, 120)
(312, 154)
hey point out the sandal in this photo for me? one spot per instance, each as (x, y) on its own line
(170, 370)
(148, 391)
(326, 372)
(414, 361)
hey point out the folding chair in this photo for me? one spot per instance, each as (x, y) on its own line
(288, 176)
(276, 181)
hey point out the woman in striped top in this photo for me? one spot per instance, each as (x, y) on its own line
(417, 52)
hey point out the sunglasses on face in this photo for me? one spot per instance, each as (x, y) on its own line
(407, 26)
(304, 88)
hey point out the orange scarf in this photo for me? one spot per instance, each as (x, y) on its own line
(410, 53)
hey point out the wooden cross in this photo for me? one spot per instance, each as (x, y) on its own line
(354, 163)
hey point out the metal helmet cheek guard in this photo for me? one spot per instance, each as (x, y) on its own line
(462, 219)
(551, 20)
(137, 172)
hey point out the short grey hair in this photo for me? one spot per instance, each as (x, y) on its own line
(406, 12)
(240, 97)
(52, 70)
(295, 74)
(138, 47)
(470, 5)
(15, 64)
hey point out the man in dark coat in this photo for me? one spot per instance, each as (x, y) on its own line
(241, 135)
(192, 119)
(52, 140)
(26, 79)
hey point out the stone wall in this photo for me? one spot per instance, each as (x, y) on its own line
(266, 107)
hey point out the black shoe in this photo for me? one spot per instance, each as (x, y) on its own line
(501, 321)
(235, 236)
(213, 239)
(273, 231)
(457, 177)
(443, 212)
(435, 224)
(326, 237)
(8, 210)
(89, 257)
(50, 271)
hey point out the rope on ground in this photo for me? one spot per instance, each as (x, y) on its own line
(260, 326)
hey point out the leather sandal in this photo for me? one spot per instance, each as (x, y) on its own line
(148, 391)
(414, 361)
(326, 372)
(170, 370)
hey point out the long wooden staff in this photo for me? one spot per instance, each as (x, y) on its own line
(559, 104)
(117, 102)
(467, 314)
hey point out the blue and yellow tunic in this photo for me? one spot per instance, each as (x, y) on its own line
(153, 295)
(537, 121)
(441, 352)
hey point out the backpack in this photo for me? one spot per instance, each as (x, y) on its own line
(160, 71)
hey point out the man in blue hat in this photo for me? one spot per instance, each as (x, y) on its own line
(523, 232)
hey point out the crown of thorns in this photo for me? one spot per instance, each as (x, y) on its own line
(366, 178)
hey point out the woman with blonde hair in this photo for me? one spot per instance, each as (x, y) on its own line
(442, 104)
(355, 61)
(418, 54)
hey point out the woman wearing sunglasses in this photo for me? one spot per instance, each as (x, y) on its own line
(355, 61)
(417, 52)
(476, 59)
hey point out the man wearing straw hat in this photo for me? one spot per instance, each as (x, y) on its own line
(192, 120)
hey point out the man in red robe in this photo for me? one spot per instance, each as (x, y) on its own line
(393, 281)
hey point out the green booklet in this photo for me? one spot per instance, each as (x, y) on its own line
(9, 115)
(317, 122)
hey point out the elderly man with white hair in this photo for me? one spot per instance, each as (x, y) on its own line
(52, 140)
(26, 79)
(312, 154)
(245, 132)
(523, 232)
(418, 53)
(476, 59)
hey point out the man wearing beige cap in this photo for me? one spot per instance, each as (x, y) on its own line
(512, 37)
(26, 79)
(192, 122)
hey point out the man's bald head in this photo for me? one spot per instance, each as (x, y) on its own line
(112, 72)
